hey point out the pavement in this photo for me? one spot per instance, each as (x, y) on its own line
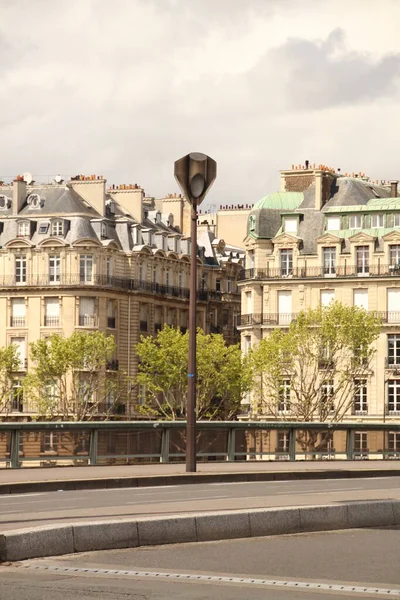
(337, 565)
(51, 508)
(26, 480)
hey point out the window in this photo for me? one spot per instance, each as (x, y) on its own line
(217, 285)
(284, 307)
(49, 441)
(23, 229)
(286, 262)
(111, 312)
(393, 358)
(20, 344)
(393, 305)
(229, 285)
(20, 269)
(284, 396)
(143, 311)
(327, 393)
(33, 201)
(52, 312)
(360, 298)
(18, 312)
(167, 278)
(87, 316)
(154, 274)
(43, 228)
(4, 202)
(86, 268)
(362, 258)
(355, 221)
(52, 394)
(246, 344)
(110, 398)
(394, 254)
(377, 220)
(142, 394)
(394, 441)
(327, 296)
(360, 441)
(204, 281)
(57, 228)
(109, 268)
(329, 258)
(252, 223)
(54, 268)
(17, 397)
(396, 220)
(283, 442)
(333, 223)
(104, 230)
(180, 280)
(360, 397)
(291, 224)
(250, 259)
(394, 396)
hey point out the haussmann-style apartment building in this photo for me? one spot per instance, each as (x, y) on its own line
(328, 236)
(75, 255)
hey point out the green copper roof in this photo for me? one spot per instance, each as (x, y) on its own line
(377, 204)
(280, 201)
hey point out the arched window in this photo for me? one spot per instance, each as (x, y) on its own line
(33, 201)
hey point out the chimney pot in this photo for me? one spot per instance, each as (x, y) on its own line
(393, 188)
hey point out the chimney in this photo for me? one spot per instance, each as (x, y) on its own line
(19, 195)
(393, 188)
(93, 190)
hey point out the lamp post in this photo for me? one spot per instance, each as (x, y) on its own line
(195, 174)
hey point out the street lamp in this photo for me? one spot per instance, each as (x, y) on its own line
(195, 174)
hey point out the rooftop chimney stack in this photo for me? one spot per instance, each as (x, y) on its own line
(19, 194)
(393, 188)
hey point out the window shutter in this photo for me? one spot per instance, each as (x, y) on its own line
(345, 222)
(18, 307)
(367, 221)
(52, 307)
(86, 306)
(390, 220)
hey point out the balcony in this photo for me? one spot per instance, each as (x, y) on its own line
(51, 321)
(87, 320)
(104, 281)
(392, 363)
(268, 319)
(18, 321)
(339, 271)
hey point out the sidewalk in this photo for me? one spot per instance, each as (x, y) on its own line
(67, 478)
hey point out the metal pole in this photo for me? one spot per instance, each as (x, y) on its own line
(191, 405)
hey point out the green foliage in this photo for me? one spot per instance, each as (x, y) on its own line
(70, 378)
(9, 364)
(325, 354)
(163, 375)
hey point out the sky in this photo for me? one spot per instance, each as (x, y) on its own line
(123, 88)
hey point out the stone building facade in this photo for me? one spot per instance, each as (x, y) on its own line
(78, 256)
(328, 236)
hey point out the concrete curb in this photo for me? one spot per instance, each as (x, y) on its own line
(187, 479)
(127, 533)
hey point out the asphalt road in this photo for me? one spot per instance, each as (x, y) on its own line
(26, 510)
(228, 570)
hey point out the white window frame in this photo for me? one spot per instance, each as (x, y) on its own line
(57, 228)
(329, 261)
(20, 269)
(355, 221)
(51, 320)
(377, 220)
(86, 263)
(284, 396)
(23, 229)
(361, 397)
(286, 262)
(18, 317)
(396, 220)
(333, 223)
(393, 402)
(362, 259)
(54, 268)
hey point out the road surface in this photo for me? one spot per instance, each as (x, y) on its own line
(44, 508)
(314, 566)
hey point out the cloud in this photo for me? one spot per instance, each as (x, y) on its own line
(125, 88)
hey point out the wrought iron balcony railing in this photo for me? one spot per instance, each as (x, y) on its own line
(122, 283)
(338, 271)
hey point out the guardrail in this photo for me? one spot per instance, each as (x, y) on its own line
(372, 270)
(122, 442)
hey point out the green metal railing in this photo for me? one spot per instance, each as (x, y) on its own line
(124, 442)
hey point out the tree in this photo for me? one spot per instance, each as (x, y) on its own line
(163, 375)
(315, 369)
(9, 364)
(72, 379)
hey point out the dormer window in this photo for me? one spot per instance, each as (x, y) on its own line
(103, 230)
(377, 220)
(291, 225)
(252, 223)
(333, 223)
(4, 202)
(33, 201)
(23, 229)
(43, 228)
(57, 227)
(355, 221)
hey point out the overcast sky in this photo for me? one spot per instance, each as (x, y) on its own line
(123, 88)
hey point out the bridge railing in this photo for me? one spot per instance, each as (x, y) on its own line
(105, 443)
